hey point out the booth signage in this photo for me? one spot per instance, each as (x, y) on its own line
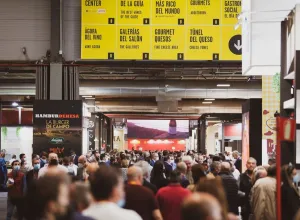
(160, 30)
(57, 127)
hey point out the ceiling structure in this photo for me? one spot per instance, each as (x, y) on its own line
(149, 88)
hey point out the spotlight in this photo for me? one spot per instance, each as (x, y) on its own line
(14, 104)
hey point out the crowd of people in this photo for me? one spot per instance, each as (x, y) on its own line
(135, 185)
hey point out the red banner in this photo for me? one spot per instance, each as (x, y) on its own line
(153, 144)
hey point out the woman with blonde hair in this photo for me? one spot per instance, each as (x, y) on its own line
(289, 193)
(216, 189)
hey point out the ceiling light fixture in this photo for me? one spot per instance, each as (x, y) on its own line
(14, 104)
(206, 102)
(209, 99)
(223, 85)
(87, 96)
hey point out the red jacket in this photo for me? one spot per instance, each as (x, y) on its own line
(17, 190)
(169, 199)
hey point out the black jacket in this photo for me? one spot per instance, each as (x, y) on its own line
(290, 202)
(150, 186)
(245, 186)
(231, 189)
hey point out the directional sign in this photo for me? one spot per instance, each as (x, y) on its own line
(160, 30)
(235, 44)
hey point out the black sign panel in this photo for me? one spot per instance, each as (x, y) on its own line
(57, 127)
(91, 132)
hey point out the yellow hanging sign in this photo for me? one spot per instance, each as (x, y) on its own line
(160, 30)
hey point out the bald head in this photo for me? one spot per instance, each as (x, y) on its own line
(135, 174)
(53, 156)
(181, 167)
(225, 167)
(201, 206)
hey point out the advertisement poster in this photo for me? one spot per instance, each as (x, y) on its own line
(245, 140)
(57, 127)
(158, 129)
(270, 104)
(118, 141)
(160, 30)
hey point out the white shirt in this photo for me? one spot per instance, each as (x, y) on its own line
(236, 174)
(44, 170)
(110, 211)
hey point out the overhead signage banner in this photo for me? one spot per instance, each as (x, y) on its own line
(160, 30)
(57, 127)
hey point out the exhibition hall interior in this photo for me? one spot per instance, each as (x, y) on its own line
(149, 109)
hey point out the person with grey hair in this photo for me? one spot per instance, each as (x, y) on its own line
(263, 199)
(215, 168)
(189, 163)
(81, 198)
(146, 174)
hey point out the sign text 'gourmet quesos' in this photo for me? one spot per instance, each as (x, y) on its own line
(160, 30)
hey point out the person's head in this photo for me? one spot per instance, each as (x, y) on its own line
(215, 167)
(225, 167)
(250, 165)
(36, 164)
(188, 161)
(181, 168)
(124, 163)
(271, 161)
(134, 158)
(144, 166)
(175, 177)
(201, 206)
(205, 165)
(197, 172)
(81, 196)
(172, 160)
(72, 153)
(22, 157)
(103, 157)
(154, 156)
(82, 162)
(14, 156)
(135, 174)
(66, 161)
(97, 156)
(258, 173)
(111, 182)
(216, 158)
(290, 176)
(167, 159)
(216, 189)
(272, 171)
(235, 154)
(53, 159)
(16, 165)
(48, 196)
(158, 169)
